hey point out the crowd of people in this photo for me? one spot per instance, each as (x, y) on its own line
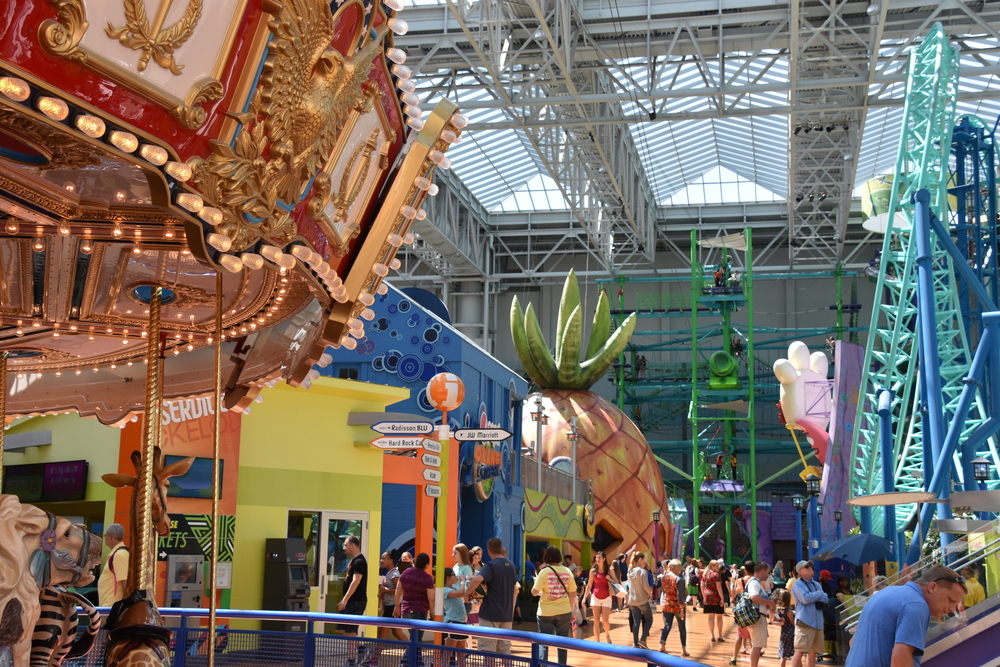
(788, 605)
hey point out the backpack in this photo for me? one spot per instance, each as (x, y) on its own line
(694, 579)
(745, 612)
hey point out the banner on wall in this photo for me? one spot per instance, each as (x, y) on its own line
(549, 516)
(191, 535)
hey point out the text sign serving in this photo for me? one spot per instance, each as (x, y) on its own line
(398, 442)
(433, 490)
(403, 428)
(432, 446)
(432, 475)
(481, 434)
(431, 460)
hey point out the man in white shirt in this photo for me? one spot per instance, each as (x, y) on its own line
(758, 631)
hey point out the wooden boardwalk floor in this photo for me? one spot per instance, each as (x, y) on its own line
(701, 649)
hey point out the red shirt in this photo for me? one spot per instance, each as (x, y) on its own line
(601, 589)
(671, 604)
(710, 590)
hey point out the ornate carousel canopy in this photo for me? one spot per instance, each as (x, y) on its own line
(156, 143)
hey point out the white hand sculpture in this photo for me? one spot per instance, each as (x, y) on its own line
(806, 395)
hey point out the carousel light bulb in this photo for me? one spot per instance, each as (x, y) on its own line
(19, 332)
(421, 214)
(395, 5)
(422, 183)
(312, 374)
(286, 262)
(395, 264)
(211, 215)
(410, 98)
(231, 263)
(190, 347)
(301, 252)
(340, 295)
(55, 331)
(179, 171)
(408, 212)
(58, 374)
(117, 231)
(357, 333)
(120, 196)
(168, 232)
(306, 384)
(86, 246)
(128, 363)
(270, 253)
(382, 289)
(39, 244)
(114, 366)
(397, 56)
(408, 238)
(401, 71)
(123, 141)
(13, 226)
(325, 360)
(176, 352)
(53, 108)
(415, 123)
(449, 137)
(445, 163)
(433, 190)
(191, 202)
(136, 248)
(349, 343)
(252, 260)
(154, 154)
(63, 229)
(366, 298)
(14, 89)
(406, 85)
(72, 327)
(395, 240)
(92, 126)
(185, 251)
(220, 242)
(368, 314)
(69, 186)
(380, 269)
(459, 120)
(78, 371)
(398, 26)
(436, 156)
(413, 111)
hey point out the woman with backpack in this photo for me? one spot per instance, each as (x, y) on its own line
(557, 588)
(693, 577)
(742, 634)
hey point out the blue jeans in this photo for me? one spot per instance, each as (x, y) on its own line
(641, 614)
(560, 625)
(668, 623)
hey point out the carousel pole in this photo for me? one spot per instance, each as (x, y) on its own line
(213, 556)
(3, 404)
(144, 545)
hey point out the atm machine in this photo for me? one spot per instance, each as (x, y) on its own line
(185, 583)
(286, 581)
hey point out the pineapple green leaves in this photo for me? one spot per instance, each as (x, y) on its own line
(566, 371)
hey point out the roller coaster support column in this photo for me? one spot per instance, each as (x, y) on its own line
(888, 463)
(798, 535)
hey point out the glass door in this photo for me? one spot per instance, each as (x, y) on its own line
(325, 532)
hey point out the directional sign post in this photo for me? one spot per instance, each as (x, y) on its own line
(431, 460)
(481, 434)
(433, 490)
(403, 428)
(432, 475)
(393, 442)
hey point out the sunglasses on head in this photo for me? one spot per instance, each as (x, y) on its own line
(957, 579)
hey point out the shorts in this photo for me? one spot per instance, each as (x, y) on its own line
(492, 644)
(388, 611)
(758, 633)
(713, 609)
(354, 608)
(596, 602)
(452, 636)
(807, 639)
(693, 590)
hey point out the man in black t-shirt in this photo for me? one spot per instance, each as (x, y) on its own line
(355, 598)
(497, 609)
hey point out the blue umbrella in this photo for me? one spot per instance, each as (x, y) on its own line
(858, 549)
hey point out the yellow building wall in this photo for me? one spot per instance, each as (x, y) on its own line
(297, 452)
(74, 438)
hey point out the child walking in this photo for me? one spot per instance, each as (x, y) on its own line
(785, 617)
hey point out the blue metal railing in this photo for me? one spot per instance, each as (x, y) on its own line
(272, 648)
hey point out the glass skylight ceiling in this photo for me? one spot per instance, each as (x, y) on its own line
(503, 171)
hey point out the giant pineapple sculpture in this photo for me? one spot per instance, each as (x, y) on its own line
(611, 449)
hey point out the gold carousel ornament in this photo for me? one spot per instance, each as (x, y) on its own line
(199, 195)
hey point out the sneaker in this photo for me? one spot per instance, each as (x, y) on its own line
(642, 645)
(732, 661)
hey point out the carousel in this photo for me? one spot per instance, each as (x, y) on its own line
(196, 199)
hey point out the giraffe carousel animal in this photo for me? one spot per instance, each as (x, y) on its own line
(38, 551)
(136, 636)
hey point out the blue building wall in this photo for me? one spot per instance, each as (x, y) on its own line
(405, 346)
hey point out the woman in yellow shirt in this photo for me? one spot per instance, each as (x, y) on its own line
(976, 593)
(555, 584)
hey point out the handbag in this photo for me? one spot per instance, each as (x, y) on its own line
(745, 612)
